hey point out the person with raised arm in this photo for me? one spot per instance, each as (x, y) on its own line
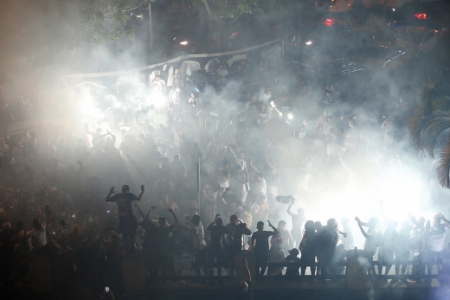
(215, 252)
(260, 246)
(127, 220)
(434, 243)
(297, 222)
(372, 242)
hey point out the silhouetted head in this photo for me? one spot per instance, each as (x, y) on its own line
(294, 251)
(233, 219)
(162, 221)
(332, 223)
(196, 220)
(309, 225)
(260, 225)
(125, 188)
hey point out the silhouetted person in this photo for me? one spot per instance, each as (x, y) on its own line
(372, 242)
(308, 249)
(260, 246)
(128, 222)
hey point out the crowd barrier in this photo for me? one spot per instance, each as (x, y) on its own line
(63, 272)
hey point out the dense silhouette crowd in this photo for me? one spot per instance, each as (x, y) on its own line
(210, 175)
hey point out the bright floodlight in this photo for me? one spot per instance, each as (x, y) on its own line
(308, 43)
(290, 116)
(89, 107)
(157, 99)
(184, 43)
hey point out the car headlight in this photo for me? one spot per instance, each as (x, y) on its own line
(183, 43)
(308, 43)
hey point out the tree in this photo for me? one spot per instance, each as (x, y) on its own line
(34, 29)
(429, 126)
(223, 10)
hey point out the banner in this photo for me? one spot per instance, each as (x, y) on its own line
(174, 60)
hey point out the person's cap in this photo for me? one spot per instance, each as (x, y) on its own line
(294, 251)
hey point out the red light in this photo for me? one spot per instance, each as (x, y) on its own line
(421, 16)
(329, 22)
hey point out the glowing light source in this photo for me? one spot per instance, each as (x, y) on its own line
(184, 43)
(89, 107)
(329, 22)
(290, 116)
(157, 99)
(393, 9)
(421, 16)
(308, 43)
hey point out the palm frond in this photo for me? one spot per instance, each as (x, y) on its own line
(425, 97)
(433, 127)
(415, 125)
(443, 165)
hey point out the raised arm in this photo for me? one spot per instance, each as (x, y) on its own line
(111, 192)
(213, 222)
(142, 192)
(275, 230)
(49, 221)
(447, 222)
(289, 209)
(360, 224)
(174, 216)
(231, 150)
(246, 231)
(149, 211)
(139, 210)
(253, 167)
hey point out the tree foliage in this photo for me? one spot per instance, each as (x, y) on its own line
(33, 28)
(229, 9)
(429, 126)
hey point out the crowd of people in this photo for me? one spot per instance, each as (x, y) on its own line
(215, 159)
